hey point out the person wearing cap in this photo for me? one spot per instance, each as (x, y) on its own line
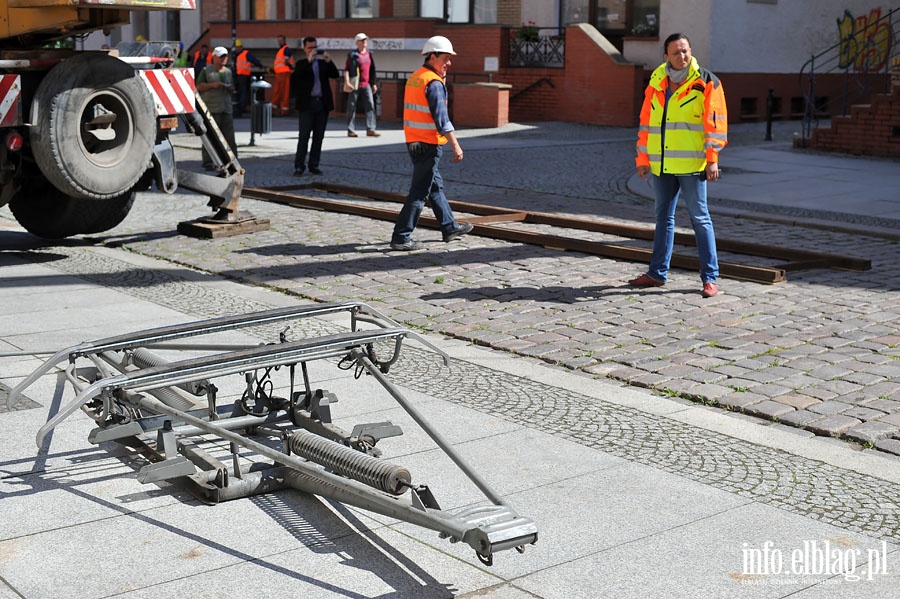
(427, 128)
(359, 83)
(243, 68)
(311, 90)
(216, 85)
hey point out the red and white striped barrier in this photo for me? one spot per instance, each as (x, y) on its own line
(10, 101)
(172, 90)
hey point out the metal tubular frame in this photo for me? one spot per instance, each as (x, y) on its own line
(122, 395)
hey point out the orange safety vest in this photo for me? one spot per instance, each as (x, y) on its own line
(196, 56)
(418, 124)
(242, 65)
(283, 63)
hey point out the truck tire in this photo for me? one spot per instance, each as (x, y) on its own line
(94, 127)
(47, 212)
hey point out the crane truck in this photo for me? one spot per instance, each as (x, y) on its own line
(81, 132)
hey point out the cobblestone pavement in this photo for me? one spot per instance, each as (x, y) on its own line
(820, 352)
(808, 487)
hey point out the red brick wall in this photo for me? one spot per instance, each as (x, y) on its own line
(597, 89)
(746, 93)
(592, 88)
(870, 129)
(480, 105)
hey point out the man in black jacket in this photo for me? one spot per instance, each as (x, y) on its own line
(311, 90)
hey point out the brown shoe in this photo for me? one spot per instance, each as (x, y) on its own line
(710, 289)
(645, 280)
(352, 134)
(373, 134)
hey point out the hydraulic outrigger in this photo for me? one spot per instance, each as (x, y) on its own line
(135, 396)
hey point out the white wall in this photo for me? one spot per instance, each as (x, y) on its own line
(692, 18)
(753, 37)
(741, 36)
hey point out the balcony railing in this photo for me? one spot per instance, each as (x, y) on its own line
(531, 46)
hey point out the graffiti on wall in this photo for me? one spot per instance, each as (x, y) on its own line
(865, 43)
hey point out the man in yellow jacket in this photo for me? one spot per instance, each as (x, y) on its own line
(684, 125)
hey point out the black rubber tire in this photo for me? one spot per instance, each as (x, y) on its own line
(47, 212)
(77, 161)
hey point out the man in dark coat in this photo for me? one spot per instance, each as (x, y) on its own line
(311, 90)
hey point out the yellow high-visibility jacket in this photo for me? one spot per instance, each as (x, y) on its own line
(695, 127)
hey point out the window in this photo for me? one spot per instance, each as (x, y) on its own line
(457, 11)
(460, 11)
(297, 9)
(485, 11)
(360, 9)
(431, 8)
(617, 18)
(576, 11)
(259, 10)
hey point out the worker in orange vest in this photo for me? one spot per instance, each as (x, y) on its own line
(284, 64)
(427, 128)
(201, 57)
(243, 66)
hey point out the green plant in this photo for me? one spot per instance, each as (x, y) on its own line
(439, 280)
(528, 33)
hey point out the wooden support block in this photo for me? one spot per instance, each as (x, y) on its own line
(204, 228)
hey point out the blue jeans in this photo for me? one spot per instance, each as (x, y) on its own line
(364, 96)
(426, 183)
(313, 121)
(693, 189)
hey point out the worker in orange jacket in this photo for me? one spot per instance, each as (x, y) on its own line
(427, 129)
(284, 64)
(201, 57)
(243, 68)
(684, 125)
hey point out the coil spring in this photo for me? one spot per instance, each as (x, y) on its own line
(348, 462)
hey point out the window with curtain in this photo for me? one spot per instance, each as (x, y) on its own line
(457, 11)
(460, 11)
(431, 8)
(360, 9)
(485, 11)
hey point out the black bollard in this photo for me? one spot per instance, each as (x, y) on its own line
(770, 105)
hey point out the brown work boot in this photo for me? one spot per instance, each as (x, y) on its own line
(645, 280)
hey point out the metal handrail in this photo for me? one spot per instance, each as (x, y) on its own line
(851, 58)
(532, 46)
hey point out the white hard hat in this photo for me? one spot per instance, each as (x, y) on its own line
(438, 43)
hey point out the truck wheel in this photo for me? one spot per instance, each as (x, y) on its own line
(46, 212)
(94, 127)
